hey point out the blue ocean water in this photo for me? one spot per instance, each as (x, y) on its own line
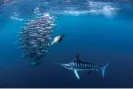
(96, 38)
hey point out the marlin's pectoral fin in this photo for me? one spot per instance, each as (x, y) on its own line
(76, 74)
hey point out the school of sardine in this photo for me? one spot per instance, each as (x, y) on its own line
(34, 37)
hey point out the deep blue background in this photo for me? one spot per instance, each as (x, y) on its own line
(98, 39)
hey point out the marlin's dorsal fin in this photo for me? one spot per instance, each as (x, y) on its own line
(77, 59)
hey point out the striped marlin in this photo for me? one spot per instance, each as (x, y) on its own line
(78, 65)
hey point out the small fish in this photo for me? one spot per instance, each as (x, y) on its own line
(57, 39)
(34, 63)
(78, 65)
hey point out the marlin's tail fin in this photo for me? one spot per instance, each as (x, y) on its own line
(103, 69)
